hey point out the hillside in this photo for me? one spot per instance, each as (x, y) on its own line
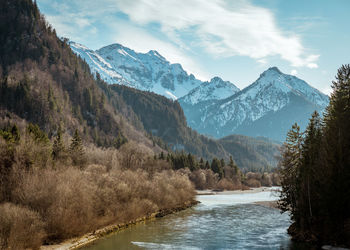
(44, 82)
(252, 154)
(164, 118)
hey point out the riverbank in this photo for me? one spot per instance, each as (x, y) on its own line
(90, 238)
(228, 192)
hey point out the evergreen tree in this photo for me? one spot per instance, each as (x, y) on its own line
(289, 171)
(192, 162)
(119, 140)
(217, 168)
(233, 165)
(37, 134)
(309, 167)
(58, 146)
(315, 171)
(207, 165)
(337, 148)
(161, 156)
(201, 163)
(76, 150)
(223, 164)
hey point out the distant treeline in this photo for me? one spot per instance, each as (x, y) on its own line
(315, 171)
(217, 173)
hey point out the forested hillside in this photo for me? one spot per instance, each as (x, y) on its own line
(164, 118)
(44, 82)
(252, 154)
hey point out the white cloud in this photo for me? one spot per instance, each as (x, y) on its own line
(294, 72)
(223, 29)
(327, 90)
(141, 41)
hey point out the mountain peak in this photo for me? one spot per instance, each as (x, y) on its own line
(273, 69)
(216, 79)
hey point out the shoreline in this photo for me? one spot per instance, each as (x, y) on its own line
(90, 238)
(239, 191)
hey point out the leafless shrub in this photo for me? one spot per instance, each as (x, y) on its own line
(253, 183)
(266, 180)
(20, 228)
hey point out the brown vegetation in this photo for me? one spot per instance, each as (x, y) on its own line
(45, 200)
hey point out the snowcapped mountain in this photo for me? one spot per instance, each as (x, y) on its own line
(268, 107)
(145, 71)
(216, 89)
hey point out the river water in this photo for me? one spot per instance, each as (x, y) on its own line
(221, 221)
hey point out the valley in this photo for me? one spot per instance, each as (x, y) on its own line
(94, 141)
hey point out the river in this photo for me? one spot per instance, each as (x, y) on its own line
(223, 221)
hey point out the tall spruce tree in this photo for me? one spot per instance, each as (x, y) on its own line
(309, 167)
(289, 171)
(58, 147)
(76, 150)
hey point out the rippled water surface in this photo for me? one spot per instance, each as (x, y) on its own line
(219, 222)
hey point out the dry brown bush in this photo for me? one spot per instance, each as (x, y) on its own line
(73, 201)
(20, 228)
(252, 183)
(266, 180)
(204, 179)
(106, 157)
(276, 180)
(114, 186)
(228, 184)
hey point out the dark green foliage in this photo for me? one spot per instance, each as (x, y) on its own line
(76, 150)
(37, 134)
(58, 148)
(216, 167)
(252, 154)
(181, 160)
(119, 140)
(10, 134)
(289, 164)
(315, 171)
(233, 165)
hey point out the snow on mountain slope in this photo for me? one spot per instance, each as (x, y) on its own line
(216, 89)
(271, 93)
(145, 71)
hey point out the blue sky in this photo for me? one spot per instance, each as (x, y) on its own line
(235, 40)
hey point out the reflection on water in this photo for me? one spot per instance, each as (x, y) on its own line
(219, 222)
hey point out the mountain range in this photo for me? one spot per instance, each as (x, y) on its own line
(44, 83)
(215, 108)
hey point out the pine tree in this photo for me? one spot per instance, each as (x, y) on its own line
(311, 154)
(76, 150)
(207, 165)
(201, 163)
(216, 167)
(233, 165)
(337, 148)
(58, 146)
(289, 171)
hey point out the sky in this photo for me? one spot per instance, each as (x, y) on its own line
(234, 39)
